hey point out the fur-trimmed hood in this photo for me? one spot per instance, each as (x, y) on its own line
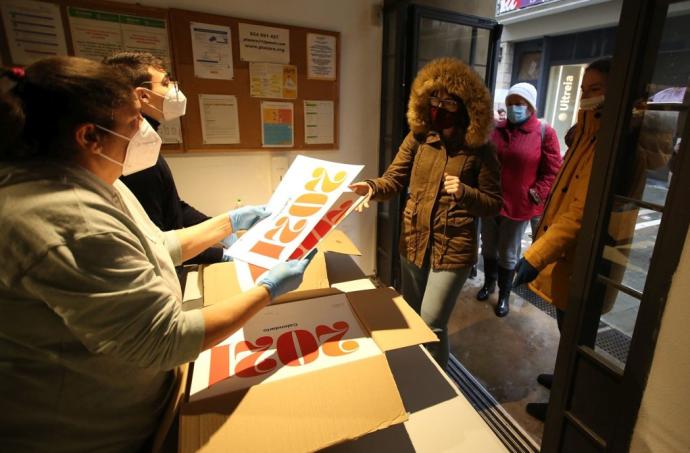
(460, 80)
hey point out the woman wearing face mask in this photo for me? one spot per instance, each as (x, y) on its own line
(530, 158)
(548, 264)
(91, 326)
(161, 100)
(450, 172)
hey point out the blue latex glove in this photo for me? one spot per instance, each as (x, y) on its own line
(286, 277)
(524, 272)
(227, 243)
(247, 216)
(226, 256)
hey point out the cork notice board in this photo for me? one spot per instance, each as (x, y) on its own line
(108, 13)
(248, 107)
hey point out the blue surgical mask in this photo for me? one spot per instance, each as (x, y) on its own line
(518, 114)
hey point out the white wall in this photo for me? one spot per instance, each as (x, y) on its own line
(213, 181)
(664, 417)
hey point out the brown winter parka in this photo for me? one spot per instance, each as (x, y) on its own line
(432, 219)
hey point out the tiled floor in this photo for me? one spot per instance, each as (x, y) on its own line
(505, 354)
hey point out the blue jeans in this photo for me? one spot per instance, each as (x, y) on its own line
(501, 238)
(433, 294)
(534, 223)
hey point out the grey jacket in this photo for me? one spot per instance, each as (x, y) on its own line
(90, 313)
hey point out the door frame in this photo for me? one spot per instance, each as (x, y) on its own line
(407, 18)
(495, 29)
(640, 26)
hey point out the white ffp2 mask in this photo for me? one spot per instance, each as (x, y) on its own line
(174, 102)
(142, 150)
(591, 103)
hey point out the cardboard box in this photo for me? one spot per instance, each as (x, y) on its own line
(319, 408)
(223, 281)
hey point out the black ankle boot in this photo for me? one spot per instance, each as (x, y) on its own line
(490, 274)
(487, 290)
(537, 410)
(546, 380)
(505, 285)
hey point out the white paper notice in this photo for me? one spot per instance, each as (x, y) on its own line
(264, 44)
(305, 195)
(271, 80)
(281, 342)
(170, 131)
(98, 34)
(34, 30)
(318, 122)
(219, 122)
(145, 34)
(321, 57)
(212, 51)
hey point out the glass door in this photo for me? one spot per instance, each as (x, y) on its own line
(413, 36)
(636, 220)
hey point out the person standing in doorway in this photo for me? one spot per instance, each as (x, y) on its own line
(548, 264)
(449, 169)
(530, 158)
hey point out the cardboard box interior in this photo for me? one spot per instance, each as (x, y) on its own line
(313, 410)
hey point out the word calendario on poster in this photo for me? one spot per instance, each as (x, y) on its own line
(311, 200)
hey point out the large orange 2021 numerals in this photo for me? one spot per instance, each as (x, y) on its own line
(294, 348)
(248, 366)
(332, 345)
(295, 345)
(284, 232)
(320, 177)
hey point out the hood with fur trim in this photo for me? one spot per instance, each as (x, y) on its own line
(460, 80)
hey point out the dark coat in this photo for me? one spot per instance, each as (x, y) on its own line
(433, 219)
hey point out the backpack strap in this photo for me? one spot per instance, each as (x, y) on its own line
(543, 131)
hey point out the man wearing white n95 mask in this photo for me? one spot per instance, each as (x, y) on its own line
(161, 100)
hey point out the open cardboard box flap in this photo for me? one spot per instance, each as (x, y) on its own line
(338, 242)
(304, 413)
(384, 313)
(390, 321)
(314, 284)
(313, 410)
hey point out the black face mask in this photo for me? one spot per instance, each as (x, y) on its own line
(443, 119)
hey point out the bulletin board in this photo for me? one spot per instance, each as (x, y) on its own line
(109, 8)
(179, 41)
(249, 108)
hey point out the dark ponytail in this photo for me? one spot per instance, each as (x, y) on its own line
(54, 96)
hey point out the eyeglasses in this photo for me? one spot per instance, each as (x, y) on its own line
(449, 104)
(171, 84)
